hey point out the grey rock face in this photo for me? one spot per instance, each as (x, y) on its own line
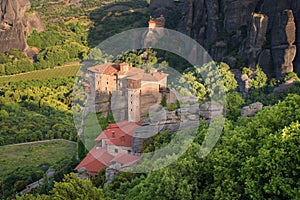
(285, 86)
(213, 27)
(33, 21)
(217, 51)
(265, 61)
(185, 116)
(270, 38)
(159, 3)
(14, 22)
(256, 37)
(252, 109)
(13, 38)
(211, 110)
(237, 13)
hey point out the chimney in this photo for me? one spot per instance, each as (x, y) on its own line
(124, 67)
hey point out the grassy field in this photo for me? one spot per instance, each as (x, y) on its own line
(65, 71)
(34, 154)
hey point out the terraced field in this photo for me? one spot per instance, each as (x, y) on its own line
(66, 71)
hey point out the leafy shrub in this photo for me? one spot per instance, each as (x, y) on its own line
(260, 78)
(172, 107)
(291, 75)
(247, 71)
(164, 101)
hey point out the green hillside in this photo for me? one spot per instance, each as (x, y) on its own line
(26, 163)
(60, 72)
(34, 155)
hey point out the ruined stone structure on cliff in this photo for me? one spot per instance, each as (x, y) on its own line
(15, 22)
(126, 91)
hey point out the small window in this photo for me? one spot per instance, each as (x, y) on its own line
(107, 83)
(116, 151)
(131, 110)
(131, 102)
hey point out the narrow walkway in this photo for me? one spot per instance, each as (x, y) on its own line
(49, 174)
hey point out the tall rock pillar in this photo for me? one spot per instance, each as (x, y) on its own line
(283, 35)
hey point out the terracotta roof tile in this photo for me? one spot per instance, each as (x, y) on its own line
(95, 160)
(113, 69)
(100, 68)
(119, 134)
(159, 75)
(148, 77)
(107, 68)
(125, 159)
(99, 158)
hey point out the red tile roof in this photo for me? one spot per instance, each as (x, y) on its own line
(107, 68)
(157, 23)
(159, 75)
(125, 159)
(95, 160)
(99, 158)
(100, 68)
(119, 134)
(132, 73)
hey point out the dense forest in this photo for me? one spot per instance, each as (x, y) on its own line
(255, 158)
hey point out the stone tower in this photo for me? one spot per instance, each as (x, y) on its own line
(133, 92)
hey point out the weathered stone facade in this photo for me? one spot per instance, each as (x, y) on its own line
(125, 91)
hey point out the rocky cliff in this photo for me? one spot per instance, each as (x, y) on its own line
(15, 22)
(241, 32)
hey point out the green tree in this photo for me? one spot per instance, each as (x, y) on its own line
(73, 187)
(76, 51)
(24, 65)
(82, 151)
(164, 101)
(10, 68)
(227, 77)
(275, 171)
(2, 69)
(260, 78)
(211, 79)
(4, 59)
(54, 55)
(96, 54)
(234, 101)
